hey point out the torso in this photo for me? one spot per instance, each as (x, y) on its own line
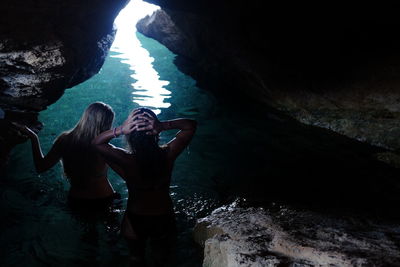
(145, 198)
(94, 185)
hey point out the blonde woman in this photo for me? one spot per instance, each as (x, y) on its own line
(91, 195)
(84, 168)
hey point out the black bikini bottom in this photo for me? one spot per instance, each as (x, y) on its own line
(90, 211)
(94, 205)
(159, 231)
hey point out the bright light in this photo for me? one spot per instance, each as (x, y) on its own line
(148, 90)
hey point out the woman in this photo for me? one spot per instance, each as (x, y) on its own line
(84, 168)
(147, 167)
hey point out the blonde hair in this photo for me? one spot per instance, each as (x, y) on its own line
(97, 118)
(79, 158)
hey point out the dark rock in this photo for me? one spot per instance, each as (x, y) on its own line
(335, 67)
(46, 47)
(237, 236)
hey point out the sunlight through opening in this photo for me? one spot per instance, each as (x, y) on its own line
(148, 90)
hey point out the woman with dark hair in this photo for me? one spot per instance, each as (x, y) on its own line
(147, 167)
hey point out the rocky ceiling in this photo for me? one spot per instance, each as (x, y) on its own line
(46, 47)
(331, 66)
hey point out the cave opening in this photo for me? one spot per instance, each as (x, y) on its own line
(138, 71)
(147, 89)
(243, 149)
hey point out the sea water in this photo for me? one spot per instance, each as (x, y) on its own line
(39, 228)
(237, 150)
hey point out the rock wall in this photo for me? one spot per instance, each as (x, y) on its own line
(280, 236)
(46, 47)
(336, 67)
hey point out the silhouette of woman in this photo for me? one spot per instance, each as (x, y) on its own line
(146, 167)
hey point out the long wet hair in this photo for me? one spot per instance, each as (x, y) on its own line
(149, 155)
(80, 158)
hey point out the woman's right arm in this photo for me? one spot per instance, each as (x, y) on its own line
(43, 163)
(116, 157)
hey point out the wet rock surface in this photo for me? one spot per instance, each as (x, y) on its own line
(46, 47)
(336, 67)
(235, 235)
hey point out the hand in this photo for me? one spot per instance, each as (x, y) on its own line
(137, 121)
(25, 130)
(152, 125)
(130, 123)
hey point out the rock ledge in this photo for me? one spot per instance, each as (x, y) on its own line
(235, 236)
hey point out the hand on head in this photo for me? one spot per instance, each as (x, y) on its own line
(141, 121)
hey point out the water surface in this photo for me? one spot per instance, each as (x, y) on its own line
(237, 150)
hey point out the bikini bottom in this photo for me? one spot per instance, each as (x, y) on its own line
(159, 233)
(90, 211)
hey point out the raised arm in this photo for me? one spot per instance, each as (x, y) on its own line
(181, 140)
(43, 163)
(116, 157)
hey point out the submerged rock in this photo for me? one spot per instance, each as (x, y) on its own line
(237, 236)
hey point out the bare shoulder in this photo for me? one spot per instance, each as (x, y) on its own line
(62, 138)
(115, 154)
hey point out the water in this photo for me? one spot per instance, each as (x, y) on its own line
(40, 230)
(238, 150)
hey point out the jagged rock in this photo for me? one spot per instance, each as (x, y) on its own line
(335, 68)
(389, 158)
(160, 26)
(46, 47)
(237, 236)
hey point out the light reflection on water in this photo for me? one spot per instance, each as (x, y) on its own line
(34, 207)
(148, 90)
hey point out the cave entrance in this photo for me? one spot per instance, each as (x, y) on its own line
(138, 71)
(148, 90)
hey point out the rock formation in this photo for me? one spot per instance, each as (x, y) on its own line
(335, 67)
(280, 236)
(46, 47)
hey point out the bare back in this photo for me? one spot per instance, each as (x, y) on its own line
(148, 194)
(148, 189)
(87, 172)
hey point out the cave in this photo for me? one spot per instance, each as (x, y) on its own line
(297, 154)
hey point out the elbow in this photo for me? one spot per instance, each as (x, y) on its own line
(95, 147)
(95, 144)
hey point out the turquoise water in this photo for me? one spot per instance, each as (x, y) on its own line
(237, 150)
(40, 231)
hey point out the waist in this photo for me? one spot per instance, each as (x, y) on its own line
(89, 188)
(150, 188)
(112, 196)
(93, 204)
(147, 203)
